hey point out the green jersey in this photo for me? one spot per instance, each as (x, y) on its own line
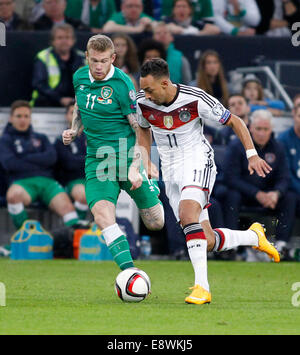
(103, 106)
(119, 18)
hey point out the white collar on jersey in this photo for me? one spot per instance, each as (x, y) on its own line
(108, 76)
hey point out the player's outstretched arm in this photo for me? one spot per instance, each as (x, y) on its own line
(70, 134)
(255, 163)
(134, 175)
(145, 142)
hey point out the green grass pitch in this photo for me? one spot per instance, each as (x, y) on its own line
(75, 297)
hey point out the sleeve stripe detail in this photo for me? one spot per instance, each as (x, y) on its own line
(202, 96)
(199, 92)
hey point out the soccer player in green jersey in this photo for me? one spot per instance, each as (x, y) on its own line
(106, 108)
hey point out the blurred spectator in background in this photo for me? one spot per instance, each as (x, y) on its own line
(179, 66)
(272, 21)
(70, 166)
(131, 19)
(254, 93)
(28, 159)
(181, 21)
(93, 13)
(296, 100)
(126, 56)
(291, 11)
(237, 104)
(210, 76)
(37, 11)
(291, 142)
(24, 9)
(236, 17)
(12, 21)
(148, 6)
(150, 48)
(202, 9)
(55, 14)
(53, 70)
(271, 192)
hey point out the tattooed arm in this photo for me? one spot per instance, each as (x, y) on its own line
(134, 175)
(70, 134)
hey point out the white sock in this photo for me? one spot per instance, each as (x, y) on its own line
(197, 248)
(111, 233)
(70, 216)
(15, 208)
(81, 206)
(227, 239)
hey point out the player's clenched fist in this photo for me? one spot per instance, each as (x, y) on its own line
(68, 136)
(134, 177)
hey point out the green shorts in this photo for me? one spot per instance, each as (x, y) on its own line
(40, 188)
(71, 184)
(98, 188)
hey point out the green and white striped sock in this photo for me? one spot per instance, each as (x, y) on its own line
(118, 245)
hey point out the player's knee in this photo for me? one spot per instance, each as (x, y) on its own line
(104, 213)
(78, 194)
(153, 217)
(156, 225)
(14, 195)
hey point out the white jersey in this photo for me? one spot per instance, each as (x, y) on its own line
(178, 126)
(187, 159)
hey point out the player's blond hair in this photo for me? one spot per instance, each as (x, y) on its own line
(100, 43)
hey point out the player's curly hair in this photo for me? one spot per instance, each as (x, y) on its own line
(157, 67)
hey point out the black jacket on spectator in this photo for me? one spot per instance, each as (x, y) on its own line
(16, 24)
(237, 175)
(44, 23)
(47, 95)
(266, 8)
(26, 154)
(70, 159)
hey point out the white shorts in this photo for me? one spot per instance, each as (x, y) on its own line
(191, 179)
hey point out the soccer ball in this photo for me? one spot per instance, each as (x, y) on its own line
(132, 285)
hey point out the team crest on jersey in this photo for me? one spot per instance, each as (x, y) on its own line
(36, 142)
(184, 115)
(132, 95)
(168, 121)
(270, 158)
(106, 92)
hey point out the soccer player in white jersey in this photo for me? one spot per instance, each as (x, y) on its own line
(176, 114)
